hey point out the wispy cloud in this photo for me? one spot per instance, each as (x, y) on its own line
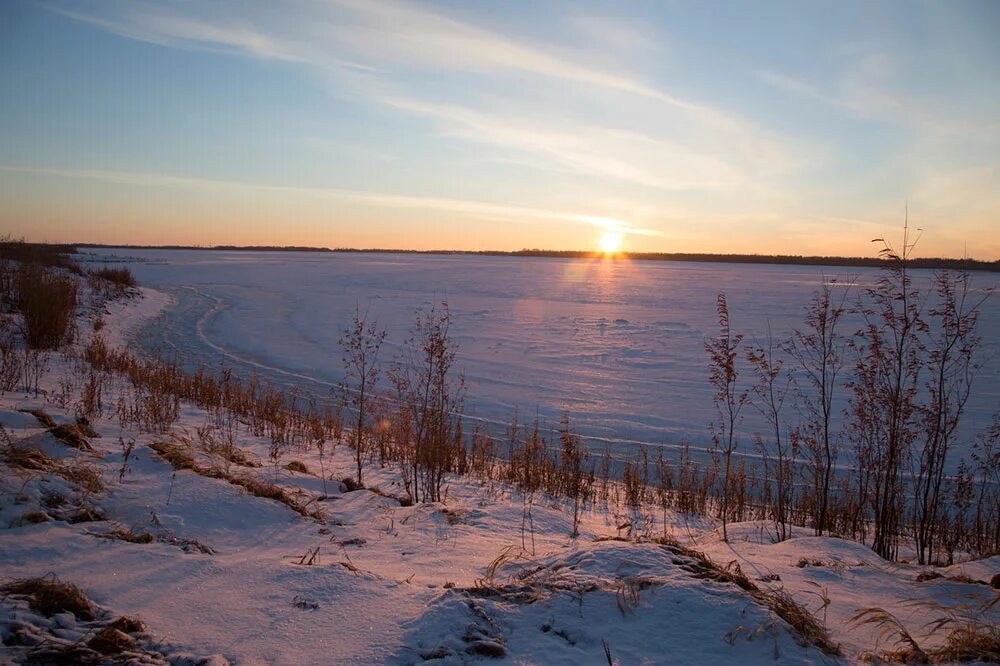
(868, 87)
(623, 155)
(150, 25)
(476, 209)
(371, 46)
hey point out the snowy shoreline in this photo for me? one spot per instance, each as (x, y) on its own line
(399, 584)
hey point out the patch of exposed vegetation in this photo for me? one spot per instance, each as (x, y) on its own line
(48, 302)
(50, 596)
(70, 434)
(138, 536)
(84, 475)
(806, 628)
(968, 638)
(121, 276)
(181, 456)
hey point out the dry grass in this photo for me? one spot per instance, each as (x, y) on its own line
(238, 456)
(130, 624)
(48, 302)
(969, 637)
(961, 578)
(402, 499)
(42, 417)
(84, 514)
(128, 535)
(51, 596)
(180, 455)
(350, 485)
(109, 641)
(627, 596)
(806, 628)
(82, 474)
(297, 466)
(31, 460)
(142, 537)
(87, 430)
(32, 518)
(509, 554)
(71, 434)
(120, 276)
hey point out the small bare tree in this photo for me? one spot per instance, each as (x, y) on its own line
(885, 389)
(729, 401)
(769, 396)
(361, 344)
(953, 341)
(430, 398)
(819, 351)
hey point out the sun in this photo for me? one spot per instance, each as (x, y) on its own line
(611, 242)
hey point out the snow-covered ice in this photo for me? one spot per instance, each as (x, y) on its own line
(617, 345)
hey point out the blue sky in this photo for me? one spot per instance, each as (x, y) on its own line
(702, 126)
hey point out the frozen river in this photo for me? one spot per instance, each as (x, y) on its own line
(618, 345)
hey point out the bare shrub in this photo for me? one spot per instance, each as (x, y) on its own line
(952, 347)
(819, 350)
(430, 400)
(361, 344)
(885, 388)
(729, 401)
(779, 453)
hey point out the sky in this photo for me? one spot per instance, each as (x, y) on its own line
(748, 127)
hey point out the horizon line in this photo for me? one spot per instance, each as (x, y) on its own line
(698, 257)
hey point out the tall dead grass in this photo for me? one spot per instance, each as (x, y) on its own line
(968, 636)
(48, 302)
